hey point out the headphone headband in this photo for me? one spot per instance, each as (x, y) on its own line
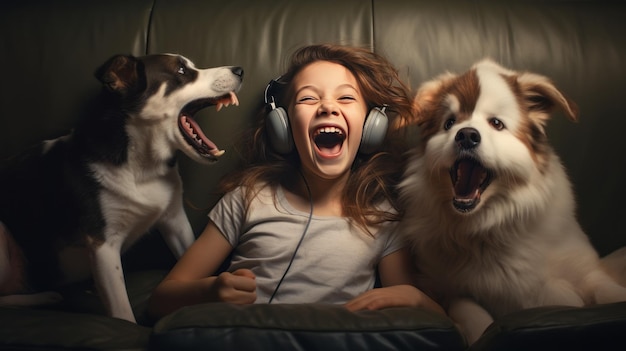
(271, 89)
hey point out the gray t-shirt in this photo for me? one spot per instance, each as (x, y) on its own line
(335, 262)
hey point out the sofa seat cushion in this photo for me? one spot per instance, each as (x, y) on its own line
(599, 327)
(222, 326)
(42, 329)
(79, 322)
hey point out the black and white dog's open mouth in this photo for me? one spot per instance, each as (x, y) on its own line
(191, 130)
(469, 179)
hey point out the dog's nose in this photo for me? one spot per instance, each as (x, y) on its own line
(467, 138)
(238, 71)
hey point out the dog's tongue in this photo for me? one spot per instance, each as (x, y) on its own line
(194, 131)
(469, 176)
(227, 101)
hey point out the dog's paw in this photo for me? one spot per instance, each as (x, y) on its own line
(615, 265)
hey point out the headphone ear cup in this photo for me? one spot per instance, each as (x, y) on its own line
(374, 130)
(279, 133)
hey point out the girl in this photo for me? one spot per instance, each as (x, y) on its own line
(310, 217)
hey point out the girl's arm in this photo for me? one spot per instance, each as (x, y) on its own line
(191, 281)
(398, 287)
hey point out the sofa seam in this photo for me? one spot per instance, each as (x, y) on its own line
(149, 28)
(373, 25)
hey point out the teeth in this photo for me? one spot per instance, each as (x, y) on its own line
(234, 99)
(217, 153)
(329, 130)
(188, 126)
(227, 101)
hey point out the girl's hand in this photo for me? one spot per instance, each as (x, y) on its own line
(393, 296)
(238, 287)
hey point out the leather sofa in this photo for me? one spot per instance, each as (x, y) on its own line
(50, 49)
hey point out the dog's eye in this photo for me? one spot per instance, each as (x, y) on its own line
(181, 70)
(496, 123)
(449, 123)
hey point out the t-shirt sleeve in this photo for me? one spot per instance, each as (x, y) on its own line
(229, 215)
(394, 240)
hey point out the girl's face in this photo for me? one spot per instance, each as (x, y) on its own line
(326, 115)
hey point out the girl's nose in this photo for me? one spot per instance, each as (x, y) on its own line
(328, 107)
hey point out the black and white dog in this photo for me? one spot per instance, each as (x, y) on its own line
(91, 194)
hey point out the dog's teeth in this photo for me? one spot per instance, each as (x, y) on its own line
(234, 99)
(225, 102)
(217, 153)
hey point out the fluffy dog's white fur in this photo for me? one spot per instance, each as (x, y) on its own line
(502, 235)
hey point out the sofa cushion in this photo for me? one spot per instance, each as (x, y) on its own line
(223, 326)
(598, 327)
(38, 329)
(78, 322)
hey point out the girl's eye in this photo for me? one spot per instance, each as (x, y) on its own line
(348, 98)
(306, 99)
(449, 123)
(496, 123)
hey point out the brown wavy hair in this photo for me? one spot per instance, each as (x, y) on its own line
(373, 177)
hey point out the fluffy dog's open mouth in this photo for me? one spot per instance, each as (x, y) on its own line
(329, 140)
(469, 179)
(191, 130)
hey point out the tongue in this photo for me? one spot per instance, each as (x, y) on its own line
(469, 177)
(193, 128)
(330, 150)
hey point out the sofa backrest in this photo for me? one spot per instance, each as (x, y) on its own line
(50, 49)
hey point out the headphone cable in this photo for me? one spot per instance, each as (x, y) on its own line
(306, 227)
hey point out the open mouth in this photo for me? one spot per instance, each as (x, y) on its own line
(192, 132)
(469, 179)
(329, 140)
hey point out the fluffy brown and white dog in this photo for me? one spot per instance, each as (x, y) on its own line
(70, 206)
(490, 210)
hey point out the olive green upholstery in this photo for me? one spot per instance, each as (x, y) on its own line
(50, 49)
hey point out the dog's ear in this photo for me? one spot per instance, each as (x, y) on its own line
(427, 104)
(119, 73)
(542, 97)
(427, 98)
